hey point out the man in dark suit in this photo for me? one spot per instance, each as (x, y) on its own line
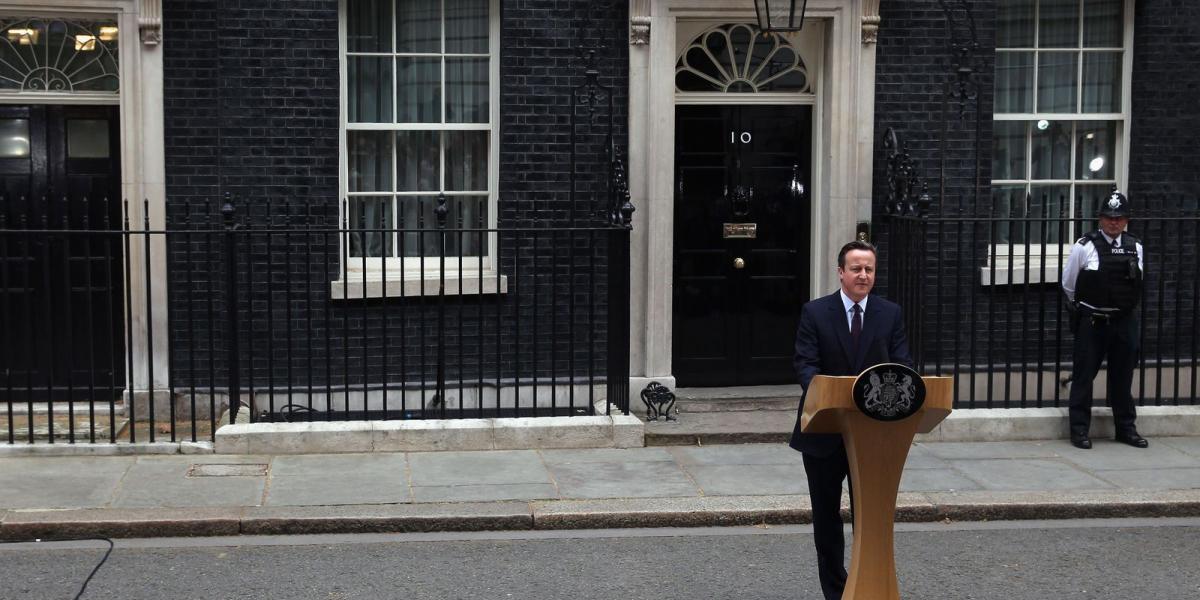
(841, 334)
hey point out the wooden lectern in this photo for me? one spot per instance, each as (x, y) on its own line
(876, 451)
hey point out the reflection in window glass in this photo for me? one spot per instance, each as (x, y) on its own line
(14, 138)
(1014, 82)
(1101, 82)
(1014, 24)
(1096, 146)
(1058, 24)
(1056, 82)
(1103, 24)
(1008, 154)
(1050, 150)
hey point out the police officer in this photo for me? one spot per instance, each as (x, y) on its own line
(1103, 280)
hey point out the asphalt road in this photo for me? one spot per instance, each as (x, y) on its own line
(1040, 560)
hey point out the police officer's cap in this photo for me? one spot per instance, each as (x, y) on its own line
(1115, 205)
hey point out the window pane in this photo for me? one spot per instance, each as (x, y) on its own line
(465, 212)
(371, 213)
(1088, 198)
(417, 161)
(369, 26)
(1014, 82)
(1051, 150)
(14, 138)
(1103, 24)
(1014, 24)
(467, 26)
(1056, 82)
(466, 161)
(1050, 199)
(1095, 150)
(418, 90)
(87, 138)
(1008, 154)
(418, 26)
(416, 213)
(467, 90)
(1008, 201)
(370, 168)
(369, 97)
(1058, 24)
(1101, 82)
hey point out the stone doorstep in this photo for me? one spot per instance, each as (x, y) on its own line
(616, 431)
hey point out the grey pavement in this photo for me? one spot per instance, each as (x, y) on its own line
(216, 494)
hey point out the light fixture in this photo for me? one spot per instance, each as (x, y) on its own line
(1096, 164)
(85, 42)
(1043, 125)
(780, 15)
(108, 33)
(25, 36)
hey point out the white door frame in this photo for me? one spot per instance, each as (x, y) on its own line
(143, 172)
(843, 133)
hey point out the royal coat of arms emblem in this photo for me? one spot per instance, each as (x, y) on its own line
(889, 392)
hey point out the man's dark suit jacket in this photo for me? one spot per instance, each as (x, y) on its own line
(823, 347)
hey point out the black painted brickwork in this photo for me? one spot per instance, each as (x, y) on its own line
(1164, 161)
(251, 96)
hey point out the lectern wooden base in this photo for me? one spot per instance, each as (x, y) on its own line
(876, 451)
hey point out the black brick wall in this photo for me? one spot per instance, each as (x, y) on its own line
(1164, 162)
(251, 97)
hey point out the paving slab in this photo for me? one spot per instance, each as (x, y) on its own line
(60, 482)
(620, 455)
(154, 482)
(312, 480)
(929, 480)
(617, 480)
(1188, 445)
(1109, 454)
(748, 479)
(1153, 479)
(749, 454)
(484, 493)
(477, 468)
(1028, 474)
(971, 450)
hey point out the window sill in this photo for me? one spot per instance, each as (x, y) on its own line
(416, 287)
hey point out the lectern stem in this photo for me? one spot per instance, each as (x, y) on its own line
(876, 451)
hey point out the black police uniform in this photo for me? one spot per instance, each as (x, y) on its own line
(1106, 299)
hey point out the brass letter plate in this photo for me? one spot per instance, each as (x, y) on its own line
(741, 230)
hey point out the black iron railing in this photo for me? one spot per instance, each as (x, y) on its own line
(983, 303)
(278, 312)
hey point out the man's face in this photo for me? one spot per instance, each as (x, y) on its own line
(1113, 226)
(858, 276)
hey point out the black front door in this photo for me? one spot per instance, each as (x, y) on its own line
(61, 295)
(741, 242)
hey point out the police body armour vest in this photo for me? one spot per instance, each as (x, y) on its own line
(1117, 283)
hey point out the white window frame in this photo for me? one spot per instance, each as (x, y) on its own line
(1053, 255)
(416, 276)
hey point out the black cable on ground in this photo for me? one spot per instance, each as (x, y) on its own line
(103, 559)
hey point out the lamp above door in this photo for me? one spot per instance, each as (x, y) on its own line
(780, 15)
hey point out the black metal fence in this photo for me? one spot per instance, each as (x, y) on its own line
(277, 314)
(983, 302)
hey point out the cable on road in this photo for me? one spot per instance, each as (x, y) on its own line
(88, 580)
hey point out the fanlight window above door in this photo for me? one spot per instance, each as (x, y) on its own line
(58, 56)
(738, 58)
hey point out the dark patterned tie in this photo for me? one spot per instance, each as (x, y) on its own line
(856, 324)
(1115, 244)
